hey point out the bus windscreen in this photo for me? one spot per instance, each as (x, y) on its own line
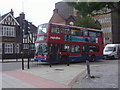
(43, 28)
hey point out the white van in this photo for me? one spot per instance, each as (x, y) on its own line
(111, 51)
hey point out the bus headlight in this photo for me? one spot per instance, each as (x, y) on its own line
(34, 57)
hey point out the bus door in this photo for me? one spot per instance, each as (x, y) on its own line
(54, 50)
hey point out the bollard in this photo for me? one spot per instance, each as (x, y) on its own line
(68, 63)
(28, 63)
(22, 64)
(50, 64)
(22, 61)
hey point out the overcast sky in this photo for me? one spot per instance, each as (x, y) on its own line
(36, 11)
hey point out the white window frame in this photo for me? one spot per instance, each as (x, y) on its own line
(8, 48)
(25, 40)
(33, 41)
(25, 46)
(8, 31)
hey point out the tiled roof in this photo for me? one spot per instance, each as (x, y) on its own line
(3, 16)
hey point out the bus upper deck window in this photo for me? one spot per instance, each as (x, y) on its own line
(92, 33)
(64, 30)
(75, 31)
(99, 34)
(84, 32)
(55, 29)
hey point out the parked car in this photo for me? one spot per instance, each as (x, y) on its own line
(111, 51)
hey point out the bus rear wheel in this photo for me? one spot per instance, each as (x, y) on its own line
(93, 58)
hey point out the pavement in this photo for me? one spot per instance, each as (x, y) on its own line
(57, 76)
(63, 76)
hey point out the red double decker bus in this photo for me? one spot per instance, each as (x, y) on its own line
(57, 43)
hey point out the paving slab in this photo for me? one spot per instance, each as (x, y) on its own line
(59, 73)
(57, 76)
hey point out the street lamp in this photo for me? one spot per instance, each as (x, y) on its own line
(29, 49)
(71, 23)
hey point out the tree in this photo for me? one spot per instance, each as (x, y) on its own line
(87, 22)
(97, 8)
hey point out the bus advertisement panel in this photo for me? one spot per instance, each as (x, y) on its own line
(57, 43)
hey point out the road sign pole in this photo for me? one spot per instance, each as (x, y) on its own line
(85, 54)
(88, 68)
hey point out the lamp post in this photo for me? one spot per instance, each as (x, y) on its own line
(28, 54)
(22, 52)
(29, 50)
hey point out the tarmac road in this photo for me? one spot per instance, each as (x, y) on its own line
(105, 73)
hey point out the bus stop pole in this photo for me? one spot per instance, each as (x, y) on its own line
(86, 55)
(88, 69)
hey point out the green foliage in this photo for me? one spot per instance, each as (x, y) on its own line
(91, 7)
(87, 22)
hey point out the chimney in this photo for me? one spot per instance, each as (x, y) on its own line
(55, 10)
(22, 16)
(12, 12)
(21, 19)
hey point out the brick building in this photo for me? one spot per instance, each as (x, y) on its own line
(63, 14)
